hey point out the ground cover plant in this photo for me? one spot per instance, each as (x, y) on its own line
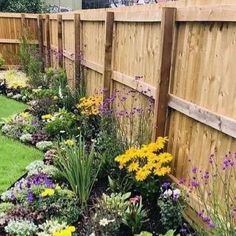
(93, 176)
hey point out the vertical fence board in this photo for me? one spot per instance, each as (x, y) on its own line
(77, 25)
(60, 45)
(40, 39)
(48, 42)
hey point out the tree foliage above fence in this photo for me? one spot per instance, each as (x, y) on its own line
(32, 6)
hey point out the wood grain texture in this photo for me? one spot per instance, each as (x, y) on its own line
(161, 103)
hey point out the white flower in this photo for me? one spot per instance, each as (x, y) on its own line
(167, 193)
(104, 221)
(92, 234)
(176, 193)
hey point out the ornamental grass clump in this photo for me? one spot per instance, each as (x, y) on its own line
(80, 167)
(146, 161)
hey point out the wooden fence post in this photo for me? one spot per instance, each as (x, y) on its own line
(48, 42)
(40, 38)
(22, 25)
(60, 45)
(107, 73)
(161, 102)
(77, 50)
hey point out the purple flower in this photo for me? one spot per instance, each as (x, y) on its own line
(206, 175)
(30, 197)
(166, 185)
(182, 181)
(194, 183)
(194, 170)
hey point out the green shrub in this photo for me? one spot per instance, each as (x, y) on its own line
(6, 207)
(62, 122)
(33, 6)
(62, 205)
(21, 228)
(79, 168)
(31, 62)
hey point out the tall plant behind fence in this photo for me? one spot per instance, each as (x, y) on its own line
(180, 58)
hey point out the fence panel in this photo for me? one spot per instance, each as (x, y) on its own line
(12, 27)
(129, 49)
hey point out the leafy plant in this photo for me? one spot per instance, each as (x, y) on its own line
(169, 233)
(34, 6)
(217, 211)
(62, 122)
(2, 61)
(145, 233)
(6, 207)
(21, 228)
(43, 106)
(57, 203)
(78, 167)
(44, 145)
(109, 213)
(135, 215)
(116, 202)
(171, 205)
(31, 62)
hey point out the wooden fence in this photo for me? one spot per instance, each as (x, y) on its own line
(184, 57)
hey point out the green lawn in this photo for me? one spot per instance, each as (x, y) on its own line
(14, 156)
(9, 107)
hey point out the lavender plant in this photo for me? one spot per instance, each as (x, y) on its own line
(217, 208)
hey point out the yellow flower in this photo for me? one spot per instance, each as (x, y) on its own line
(69, 142)
(90, 105)
(147, 160)
(48, 192)
(162, 171)
(25, 115)
(68, 231)
(133, 167)
(55, 98)
(47, 117)
(142, 174)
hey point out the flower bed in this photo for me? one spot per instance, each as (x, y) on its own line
(97, 177)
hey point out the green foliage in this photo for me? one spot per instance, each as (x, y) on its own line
(33, 6)
(145, 233)
(6, 207)
(171, 207)
(169, 233)
(108, 213)
(21, 228)
(77, 166)
(135, 215)
(63, 121)
(2, 61)
(121, 182)
(62, 205)
(31, 62)
(116, 202)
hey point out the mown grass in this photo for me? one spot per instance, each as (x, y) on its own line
(14, 156)
(9, 107)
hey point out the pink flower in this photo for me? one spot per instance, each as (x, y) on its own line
(134, 200)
